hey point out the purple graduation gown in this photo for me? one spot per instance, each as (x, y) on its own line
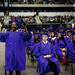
(57, 46)
(42, 49)
(61, 44)
(71, 48)
(15, 54)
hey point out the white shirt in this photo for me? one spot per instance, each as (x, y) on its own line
(45, 42)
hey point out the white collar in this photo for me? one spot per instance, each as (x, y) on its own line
(45, 42)
(53, 38)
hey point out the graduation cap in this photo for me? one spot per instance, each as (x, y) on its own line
(45, 33)
(69, 28)
(73, 34)
(51, 29)
(44, 29)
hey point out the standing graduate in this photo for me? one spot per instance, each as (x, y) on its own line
(15, 54)
(46, 56)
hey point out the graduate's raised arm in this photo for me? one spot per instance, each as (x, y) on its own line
(26, 35)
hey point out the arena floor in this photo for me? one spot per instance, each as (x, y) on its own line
(30, 69)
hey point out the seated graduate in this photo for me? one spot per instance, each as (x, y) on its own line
(68, 34)
(71, 47)
(61, 44)
(52, 37)
(30, 44)
(46, 56)
(15, 54)
(34, 40)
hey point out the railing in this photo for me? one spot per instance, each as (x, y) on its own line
(43, 1)
(40, 5)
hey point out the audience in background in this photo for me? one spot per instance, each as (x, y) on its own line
(21, 21)
(43, 1)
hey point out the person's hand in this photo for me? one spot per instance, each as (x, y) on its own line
(47, 56)
(63, 53)
(64, 49)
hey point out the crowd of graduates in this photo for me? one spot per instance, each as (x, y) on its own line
(48, 47)
(51, 47)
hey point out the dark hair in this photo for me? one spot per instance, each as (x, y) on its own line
(63, 39)
(36, 39)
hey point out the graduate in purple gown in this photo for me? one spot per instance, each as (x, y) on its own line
(46, 57)
(71, 47)
(30, 45)
(61, 44)
(36, 40)
(52, 37)
(19, 22)
(15, 54)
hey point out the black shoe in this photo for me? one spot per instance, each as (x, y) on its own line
(56, 73)
(18, 73)
(11, 73)
(5, 72)
(42, 74)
